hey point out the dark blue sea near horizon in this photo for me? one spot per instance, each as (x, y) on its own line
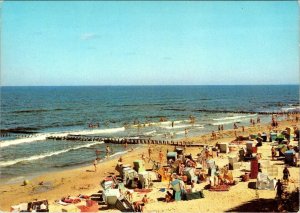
(30, 114)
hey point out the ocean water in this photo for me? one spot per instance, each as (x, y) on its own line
(30, 114)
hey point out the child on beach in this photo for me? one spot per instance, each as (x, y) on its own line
(273, 152)
(95, 164)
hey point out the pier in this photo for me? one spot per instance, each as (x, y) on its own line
(125, 140)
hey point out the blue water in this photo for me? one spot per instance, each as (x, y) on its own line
(40, 111)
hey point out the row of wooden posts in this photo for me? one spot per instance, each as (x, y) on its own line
(123, 141)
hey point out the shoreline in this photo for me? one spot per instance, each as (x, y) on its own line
(6, 181)
(83, 180)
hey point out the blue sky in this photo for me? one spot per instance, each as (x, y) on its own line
(149, 43)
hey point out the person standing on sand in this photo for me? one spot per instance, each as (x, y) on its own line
(149, 152)
(95, 164)
(107, 151)
(286, 175)
(235, 126)
(161, 156)
(279, 189)
(144, 157)
(273, 152)
(243, 128)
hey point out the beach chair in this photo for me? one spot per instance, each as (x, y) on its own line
(172, 155)
(110, 196)
(224, 148)
(273, 136)
(138, 166)
(232, 160)
(179, 151)
(124, 205)
(289, 156)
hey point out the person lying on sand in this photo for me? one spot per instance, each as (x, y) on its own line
(139, 205)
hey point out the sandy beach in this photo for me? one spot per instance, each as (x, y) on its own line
(85, 181)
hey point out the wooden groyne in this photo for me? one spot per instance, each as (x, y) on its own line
(125, 141)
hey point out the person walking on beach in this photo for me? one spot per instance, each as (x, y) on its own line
(286, 174)
(243, 128)
(149, 152)
(258, 120)
(273, 151)
(107, 151)
(279, 189)
(222, 127)
(95, 164)
(160, 156)
(235, 126)
(185, 132)
(144, 158)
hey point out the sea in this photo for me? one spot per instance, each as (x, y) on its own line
(30, 114)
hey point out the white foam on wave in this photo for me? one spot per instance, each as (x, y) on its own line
(41, 156)
(291, 109)
(225, 122)
(41, 137)
(176, 126)
(34, 138)
(234, 117)
(118, 153)
(150, 133)
(160, 123)
(180, 132)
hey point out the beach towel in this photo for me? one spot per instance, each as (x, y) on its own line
(142, 190)
(219, 188)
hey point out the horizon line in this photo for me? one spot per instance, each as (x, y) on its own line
(132, 85)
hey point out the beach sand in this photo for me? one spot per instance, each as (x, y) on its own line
(85, 181)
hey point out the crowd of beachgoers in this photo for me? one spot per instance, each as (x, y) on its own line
(247, 168)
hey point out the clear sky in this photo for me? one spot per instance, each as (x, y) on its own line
(149, 43)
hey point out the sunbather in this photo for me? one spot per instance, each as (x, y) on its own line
(139, 205)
